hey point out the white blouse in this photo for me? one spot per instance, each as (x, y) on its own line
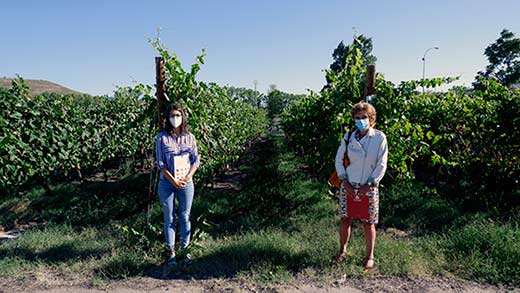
(368, 158)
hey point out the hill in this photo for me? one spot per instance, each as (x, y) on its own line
(37, 87)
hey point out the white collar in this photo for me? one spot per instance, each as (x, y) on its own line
(371, 131)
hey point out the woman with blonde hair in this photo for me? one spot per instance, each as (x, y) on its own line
(367, 152)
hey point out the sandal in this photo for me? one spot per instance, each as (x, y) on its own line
(340, 257)
(367, 267)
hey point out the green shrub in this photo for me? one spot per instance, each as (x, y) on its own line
(47, 137)
(409, 205)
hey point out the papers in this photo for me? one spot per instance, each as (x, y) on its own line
(181, 164)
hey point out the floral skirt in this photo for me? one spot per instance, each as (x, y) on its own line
(373, 205)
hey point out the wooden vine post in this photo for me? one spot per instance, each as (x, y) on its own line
(160, 78)
(370, 88)
(160, 83)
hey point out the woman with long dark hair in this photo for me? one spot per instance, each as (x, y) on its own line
(177, 160)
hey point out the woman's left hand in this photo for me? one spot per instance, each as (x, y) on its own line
(186, 179)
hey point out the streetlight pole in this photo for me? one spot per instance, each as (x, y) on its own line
(424, 64)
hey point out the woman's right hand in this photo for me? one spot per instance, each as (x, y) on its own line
(178, 183)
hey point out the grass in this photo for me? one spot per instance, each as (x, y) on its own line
(485, 250)
(280, 224)
(409, 205)
(79, 232)
(53, 248)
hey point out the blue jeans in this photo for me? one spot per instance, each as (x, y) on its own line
(167, 194)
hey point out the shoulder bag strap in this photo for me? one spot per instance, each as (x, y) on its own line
(345, 156)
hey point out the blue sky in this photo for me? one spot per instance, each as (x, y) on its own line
(92, 46)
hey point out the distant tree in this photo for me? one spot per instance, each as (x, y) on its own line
(246, 95)
(277, 100)
(504, 60)
(340, 53)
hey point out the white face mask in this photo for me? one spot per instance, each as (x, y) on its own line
(176, 121)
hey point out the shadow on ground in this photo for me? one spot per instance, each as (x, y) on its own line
(232, 260)
(56, 254)
(80, 204)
